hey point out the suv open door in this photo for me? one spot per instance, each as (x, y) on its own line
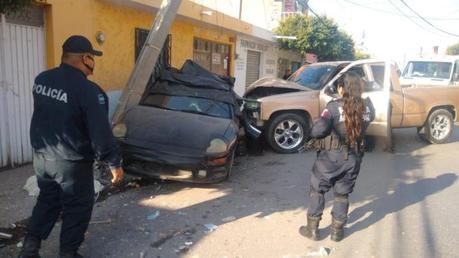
(377, 77)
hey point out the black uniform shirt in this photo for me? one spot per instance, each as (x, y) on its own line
(70, 118)
(332, 120)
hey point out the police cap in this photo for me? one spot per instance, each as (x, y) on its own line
(79, 44)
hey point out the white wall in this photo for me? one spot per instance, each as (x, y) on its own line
(262, 13)
(268, 59)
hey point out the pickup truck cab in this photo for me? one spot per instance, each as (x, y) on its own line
(433, 71)
(283, 111)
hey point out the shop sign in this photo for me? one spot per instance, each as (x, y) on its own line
(253, 45)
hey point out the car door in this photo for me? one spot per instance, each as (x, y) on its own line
(377, 88)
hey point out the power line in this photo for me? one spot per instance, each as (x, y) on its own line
(409, 17)
(392, 13)
(428, 22)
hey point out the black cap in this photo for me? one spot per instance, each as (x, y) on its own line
(79, 44)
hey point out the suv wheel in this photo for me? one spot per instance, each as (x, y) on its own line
(287, 132)
(439, 126)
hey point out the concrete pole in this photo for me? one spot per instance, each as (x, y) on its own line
(148, 56)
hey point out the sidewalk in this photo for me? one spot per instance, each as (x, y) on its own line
(16, 204)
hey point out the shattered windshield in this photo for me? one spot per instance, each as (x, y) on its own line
(189, 104)
(313, 77)
(427, 69)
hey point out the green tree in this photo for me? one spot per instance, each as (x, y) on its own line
(361, 55)
(13, 6)
(318, 35)
(453, 49)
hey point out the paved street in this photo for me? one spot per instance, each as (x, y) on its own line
(405, 204)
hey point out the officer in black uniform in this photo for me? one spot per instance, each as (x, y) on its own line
(69, 130)
(340, 133)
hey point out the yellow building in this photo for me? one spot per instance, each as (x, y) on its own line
(31, 42)
(198, 33)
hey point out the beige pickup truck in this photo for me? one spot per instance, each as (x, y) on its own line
(284, 110)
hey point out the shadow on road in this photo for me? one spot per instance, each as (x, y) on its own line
(401, 197)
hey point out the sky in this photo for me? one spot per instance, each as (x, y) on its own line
(388, 34)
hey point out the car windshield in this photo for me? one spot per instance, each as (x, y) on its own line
(427, 69)
(313, 76)
(201, 106)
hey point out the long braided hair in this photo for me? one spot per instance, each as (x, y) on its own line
(354, 105)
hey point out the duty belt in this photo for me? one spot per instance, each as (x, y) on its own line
(335, 143)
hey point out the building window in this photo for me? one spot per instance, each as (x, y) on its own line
(140, 39)
(213, 56)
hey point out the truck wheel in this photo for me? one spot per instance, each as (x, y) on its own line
(287, 132)
(439, 126)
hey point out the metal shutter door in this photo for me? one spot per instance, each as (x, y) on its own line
(253, 67)
(22, 53)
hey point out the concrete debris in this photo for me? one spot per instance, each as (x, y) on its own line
(210, 227)
(5, 235)
(107, 221)
(31, 186)
(182, 249)
(98, 187)
(323, 251)
(154, 215)
(19, 245)
(228, 219)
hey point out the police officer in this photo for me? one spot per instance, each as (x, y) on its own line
(69, 130)
(340, 130)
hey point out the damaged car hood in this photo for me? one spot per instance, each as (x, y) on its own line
(182, 132)
(276, 83)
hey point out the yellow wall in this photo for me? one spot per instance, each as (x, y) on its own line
(118, 23)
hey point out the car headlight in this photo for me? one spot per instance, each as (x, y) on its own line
(217, 146)
(119, 130)
(252, 105)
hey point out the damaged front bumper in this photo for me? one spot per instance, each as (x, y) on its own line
(250, 127)
(172, 167)
(251, 118)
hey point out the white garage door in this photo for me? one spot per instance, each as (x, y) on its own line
(22, 57)
(253, 67)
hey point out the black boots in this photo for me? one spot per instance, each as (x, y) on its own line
(337, 230)
(30, 247)
(311, 230)
(72, 254)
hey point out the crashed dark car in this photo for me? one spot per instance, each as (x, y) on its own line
(185, 127)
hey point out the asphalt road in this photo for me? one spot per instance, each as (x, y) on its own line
(405, 204)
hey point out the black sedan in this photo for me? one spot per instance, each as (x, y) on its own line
(185, 128)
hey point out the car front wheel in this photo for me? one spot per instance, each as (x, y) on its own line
(287, 132)
(439, 126)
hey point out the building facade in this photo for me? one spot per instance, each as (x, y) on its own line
(32, 42)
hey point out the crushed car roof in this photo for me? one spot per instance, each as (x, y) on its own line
(192, 80)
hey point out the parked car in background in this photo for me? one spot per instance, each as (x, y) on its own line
(283, 111)
(185, 127)
(431, 71)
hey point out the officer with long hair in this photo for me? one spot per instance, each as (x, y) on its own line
(340, 134)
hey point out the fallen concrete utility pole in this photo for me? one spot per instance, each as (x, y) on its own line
(148, 56)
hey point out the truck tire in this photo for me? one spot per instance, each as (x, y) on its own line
(439, 126)
(287, 132)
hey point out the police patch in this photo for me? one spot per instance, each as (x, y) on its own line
(101, 99)
(325, 114)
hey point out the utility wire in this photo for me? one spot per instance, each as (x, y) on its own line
(392, 13)
(428, 22)
(408, 17)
